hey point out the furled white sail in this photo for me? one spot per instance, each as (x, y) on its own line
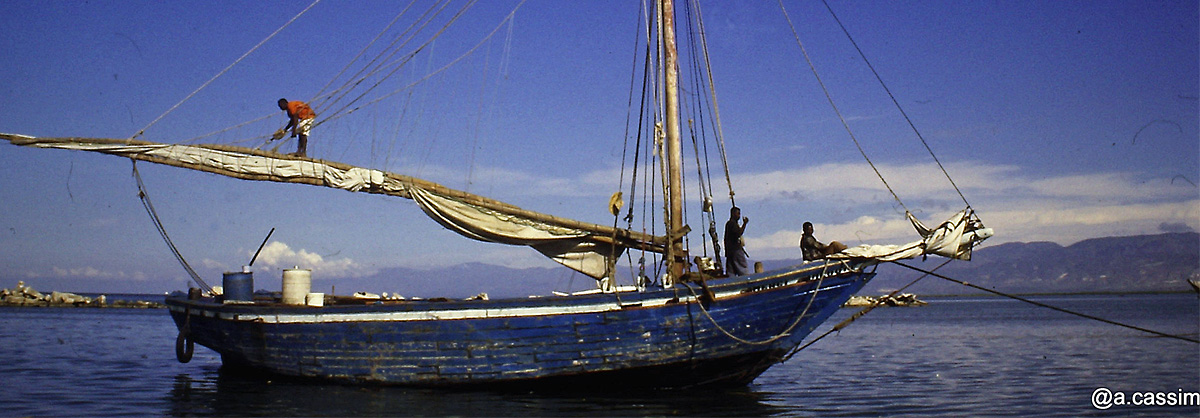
(954, 238)
(587, 248)
(569, 246)
(232, 161)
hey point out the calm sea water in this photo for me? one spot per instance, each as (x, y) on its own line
(955, 357)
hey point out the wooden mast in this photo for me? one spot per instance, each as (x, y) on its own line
(676, 254)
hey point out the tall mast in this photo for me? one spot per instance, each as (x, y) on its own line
(677, 256)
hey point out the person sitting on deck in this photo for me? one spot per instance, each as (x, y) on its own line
(815, 250)
(300, 121)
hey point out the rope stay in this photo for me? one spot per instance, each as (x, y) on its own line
(235, 62)
(346, 110)
(364, 50)
(394, 65)
(363, 74)
(895, 102)
(162, 231)
(649, 125)
(637, 279)
(712, 89)
(836, 110)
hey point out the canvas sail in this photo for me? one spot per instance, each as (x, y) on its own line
(953, 238)
(584, 247)
(570, 247)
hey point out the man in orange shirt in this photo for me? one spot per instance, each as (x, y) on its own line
(300, 121)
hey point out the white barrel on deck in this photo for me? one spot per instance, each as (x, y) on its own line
(315, 299)
(297, 283)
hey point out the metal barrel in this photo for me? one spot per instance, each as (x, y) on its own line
(239, 286)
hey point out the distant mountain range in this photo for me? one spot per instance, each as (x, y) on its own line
(1144, 263)
(1116, 264)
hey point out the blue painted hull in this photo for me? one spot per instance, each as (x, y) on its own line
(671, 337)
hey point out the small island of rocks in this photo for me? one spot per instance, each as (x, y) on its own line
(25, 296)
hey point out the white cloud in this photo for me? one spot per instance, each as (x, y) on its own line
(1019, 206)
(279, 255)
(858, 181)
(1063, 209)
(94, 273)
(209, 263)
(1066, 225)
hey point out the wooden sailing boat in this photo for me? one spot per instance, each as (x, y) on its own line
(695, 327)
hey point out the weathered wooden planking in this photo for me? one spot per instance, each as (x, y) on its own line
(644, 334)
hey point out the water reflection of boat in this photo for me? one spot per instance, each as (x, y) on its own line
(234, 392)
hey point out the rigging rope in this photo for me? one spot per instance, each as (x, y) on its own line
(363, 51)
(845, 323)
(927, 273)
(896, 102)
(837, 111)
(145, 197)
(235, 62)
(350, 85)
(1083, 315)
(346, 111)
(712, 89)
(781, 334)
(637, 279)
(699, 140)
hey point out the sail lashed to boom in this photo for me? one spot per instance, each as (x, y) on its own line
(570, 247)
(584, 247)
(955, 238)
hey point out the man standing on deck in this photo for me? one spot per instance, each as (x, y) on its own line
(300, 121)
(735, 252)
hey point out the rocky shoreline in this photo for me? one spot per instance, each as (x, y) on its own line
(25, 296)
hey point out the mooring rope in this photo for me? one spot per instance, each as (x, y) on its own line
(845, 323)
(1083, 315)
(927, 273)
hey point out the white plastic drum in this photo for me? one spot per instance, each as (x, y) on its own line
(297, 283)
(316, 299)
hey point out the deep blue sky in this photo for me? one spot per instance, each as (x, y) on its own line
(1060, 120)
